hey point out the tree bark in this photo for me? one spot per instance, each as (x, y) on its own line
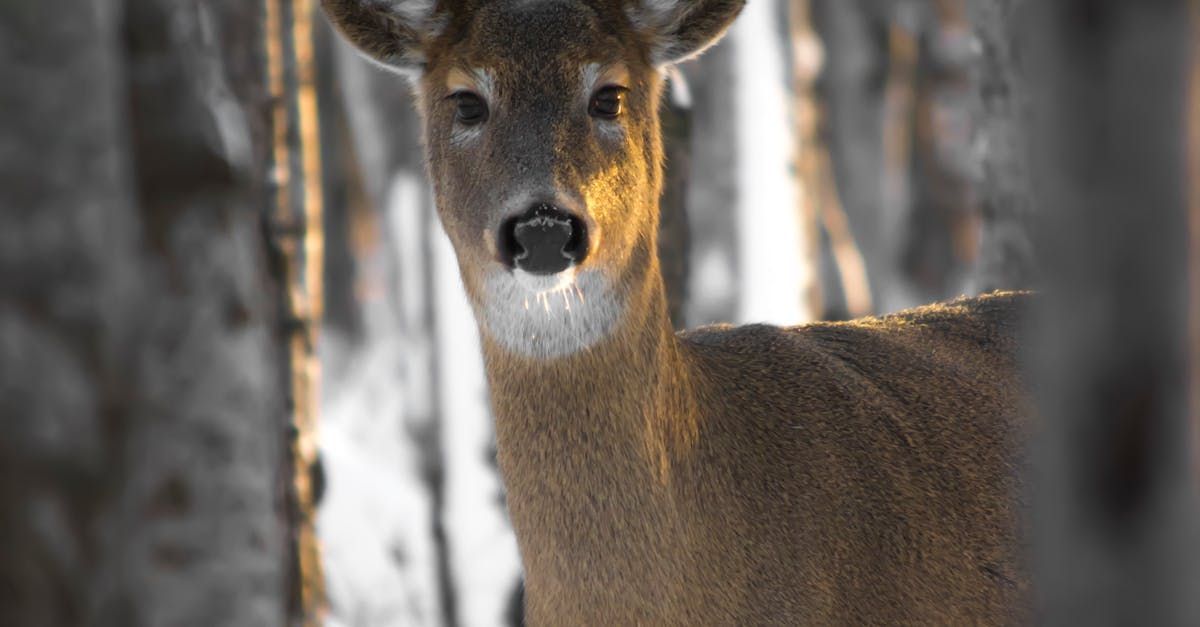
(674, 236)
(711, 197)
(776, 273)
(1194, 247)
(804, 60)
(142, 459)
(851, 89)
(941, 249)
(843, 288)
(1007, 254)
(294, 226)
(1115, 525)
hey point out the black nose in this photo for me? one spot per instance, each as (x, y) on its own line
(543, 240)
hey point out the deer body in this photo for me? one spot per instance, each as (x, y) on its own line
(828, 473)
(864, 472)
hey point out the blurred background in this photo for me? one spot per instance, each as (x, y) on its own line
(240, 383)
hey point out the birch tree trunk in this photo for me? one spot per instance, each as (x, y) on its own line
(776, 272)
(1115, 532)
(142, 407)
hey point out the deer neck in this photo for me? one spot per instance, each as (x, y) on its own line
(586, 441)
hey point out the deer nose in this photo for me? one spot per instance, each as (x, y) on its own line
(543, 240)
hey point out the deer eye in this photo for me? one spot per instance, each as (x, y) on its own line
(607, 102)
(471, 109)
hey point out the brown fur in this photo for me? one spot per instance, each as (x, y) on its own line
(861, 473)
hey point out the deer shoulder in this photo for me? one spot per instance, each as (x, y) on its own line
(892, 445)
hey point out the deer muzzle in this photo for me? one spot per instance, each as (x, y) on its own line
(544, 240)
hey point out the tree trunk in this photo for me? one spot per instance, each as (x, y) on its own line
(851, 88)
(940, 251)
(775, 270)
(711, 194)
(1194, 247)
(810, 161)
(1007, 259)
(294, 225)
(142, 460)
(674, 236)
(843, 288)
(1115, 524)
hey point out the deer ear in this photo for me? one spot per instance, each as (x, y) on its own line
(681, 29)
(393, 33)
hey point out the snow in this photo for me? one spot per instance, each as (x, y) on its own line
(374, 527)
(375, 522)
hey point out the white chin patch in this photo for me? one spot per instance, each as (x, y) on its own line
(549, 316)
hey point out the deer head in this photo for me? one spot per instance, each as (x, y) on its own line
(543, 146)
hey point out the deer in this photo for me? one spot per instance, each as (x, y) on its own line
(861, 472)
